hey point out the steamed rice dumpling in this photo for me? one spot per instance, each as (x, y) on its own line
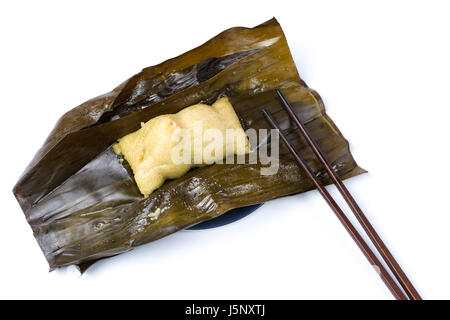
(83, 203)
(167, 146)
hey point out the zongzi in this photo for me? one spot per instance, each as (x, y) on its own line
(83, 204)
(167, 146)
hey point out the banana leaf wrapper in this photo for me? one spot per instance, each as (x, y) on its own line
(82, 202)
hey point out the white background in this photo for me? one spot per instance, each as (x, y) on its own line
(383, 71)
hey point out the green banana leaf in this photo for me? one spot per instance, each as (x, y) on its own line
(82, 202)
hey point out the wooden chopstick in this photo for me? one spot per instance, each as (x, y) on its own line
(373, 260)
(365, 223)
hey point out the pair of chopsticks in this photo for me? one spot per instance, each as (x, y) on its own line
(368, 228)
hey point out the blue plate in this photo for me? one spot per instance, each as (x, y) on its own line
(226, 218)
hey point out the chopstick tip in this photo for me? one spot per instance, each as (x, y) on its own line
(266, 112)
